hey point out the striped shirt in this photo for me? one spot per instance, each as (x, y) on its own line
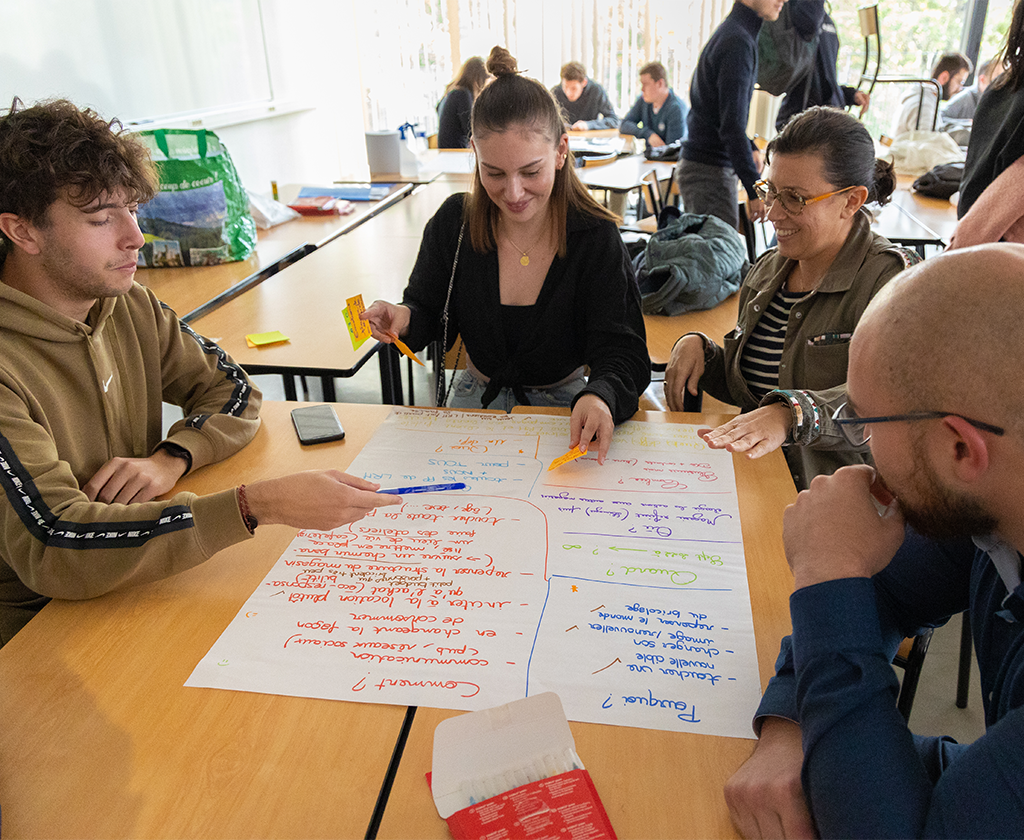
(762, 353)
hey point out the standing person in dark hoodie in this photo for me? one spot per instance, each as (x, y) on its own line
(717, 149)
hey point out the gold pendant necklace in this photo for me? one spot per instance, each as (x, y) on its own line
(524, 260)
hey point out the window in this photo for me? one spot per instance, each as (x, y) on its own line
(914, 34)
(409, 50)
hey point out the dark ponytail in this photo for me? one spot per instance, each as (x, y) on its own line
(845, 147)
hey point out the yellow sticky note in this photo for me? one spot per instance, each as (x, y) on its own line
(401, 345)
(571, 455)
(360, 328)
(262, 339)
(356, 342)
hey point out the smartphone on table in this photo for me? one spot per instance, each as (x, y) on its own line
(316, 424)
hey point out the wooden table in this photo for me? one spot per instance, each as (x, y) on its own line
(100, 738)
(901, 221)
(187, 289)
(625, 174)
(936, 214)
(902, 227)
(306, 299)
(653, 784)
(621, 176)
(664, 330)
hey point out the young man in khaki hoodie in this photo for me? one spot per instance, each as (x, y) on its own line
(87, 357)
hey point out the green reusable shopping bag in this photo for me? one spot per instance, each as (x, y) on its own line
(201, 214)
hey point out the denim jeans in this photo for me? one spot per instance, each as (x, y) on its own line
(469, 388)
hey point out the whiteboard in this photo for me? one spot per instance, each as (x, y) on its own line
(137, 60)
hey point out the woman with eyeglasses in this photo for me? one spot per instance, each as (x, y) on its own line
(785, 363)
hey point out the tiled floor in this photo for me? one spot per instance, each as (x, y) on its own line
(934, 712)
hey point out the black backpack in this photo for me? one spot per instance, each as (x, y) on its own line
(784, 58)
(940, 181)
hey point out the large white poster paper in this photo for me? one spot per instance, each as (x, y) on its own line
(620, 587)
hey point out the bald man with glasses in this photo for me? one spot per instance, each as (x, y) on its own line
(934, 387)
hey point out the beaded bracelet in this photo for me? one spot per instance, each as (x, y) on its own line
(815, 429)
(788, 398)
(806, 426)
(243, 503)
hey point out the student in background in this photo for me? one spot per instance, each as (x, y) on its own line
(531, 271)
(87, 357)
(454, 109)
(658, 115)
(932, 374)
(583, 101)
(785, 363)
(917, 109)
(965, 103)
(717, 149)
(822, 86)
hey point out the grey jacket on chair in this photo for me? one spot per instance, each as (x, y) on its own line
(695, 263)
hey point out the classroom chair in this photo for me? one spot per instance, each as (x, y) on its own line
(594, 158)
(868, 18)
(963, 677)
(910, 657)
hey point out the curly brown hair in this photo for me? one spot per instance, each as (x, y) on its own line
(56, 150)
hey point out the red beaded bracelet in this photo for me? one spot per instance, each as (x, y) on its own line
(247, 517)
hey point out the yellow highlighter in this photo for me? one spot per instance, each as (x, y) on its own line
(401, 345)
(571, 455)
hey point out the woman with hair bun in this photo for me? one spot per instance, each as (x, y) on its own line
(531, 271)
(785, 363)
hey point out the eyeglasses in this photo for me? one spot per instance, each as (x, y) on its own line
(792, 202)
(853, 427)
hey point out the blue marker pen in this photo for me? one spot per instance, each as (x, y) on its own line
(424, 488)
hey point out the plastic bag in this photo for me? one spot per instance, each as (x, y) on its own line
(668, 152)
(201, 214)
(267, 212)
(915, 152)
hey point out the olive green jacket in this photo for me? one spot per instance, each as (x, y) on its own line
(816, 350)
